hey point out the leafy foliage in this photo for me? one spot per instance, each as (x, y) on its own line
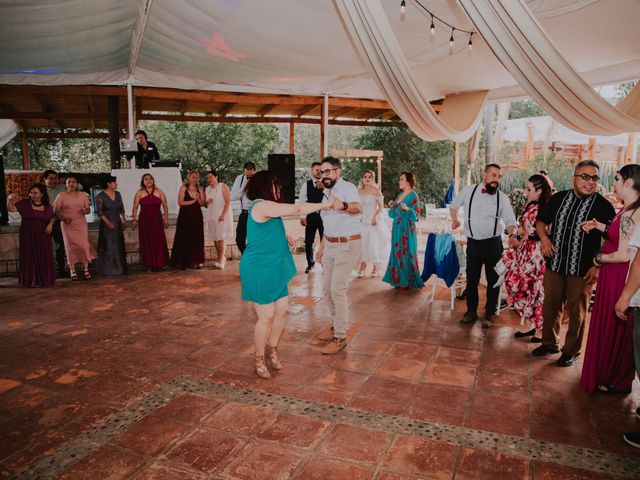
(525, 109)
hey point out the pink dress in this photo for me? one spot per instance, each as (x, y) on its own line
(76, 232)
(525, 270)
(608, 359)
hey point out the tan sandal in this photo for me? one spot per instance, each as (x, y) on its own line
(272, 357)
(261, 368)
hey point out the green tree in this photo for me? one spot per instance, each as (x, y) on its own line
(431, 162)
(525, 109)
(221, 146)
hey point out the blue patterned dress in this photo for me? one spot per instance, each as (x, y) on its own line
(402, 270)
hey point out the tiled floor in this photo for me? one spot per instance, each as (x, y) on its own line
(91, 372)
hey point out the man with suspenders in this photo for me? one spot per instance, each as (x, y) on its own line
(311, 192)
(238, 192)
(487, 211)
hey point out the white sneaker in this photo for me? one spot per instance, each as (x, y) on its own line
(221, 265)
(216, 265)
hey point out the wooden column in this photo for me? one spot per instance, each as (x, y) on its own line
(113, 107)
(379, 161)
(26, 162)
(528, 149)
(324, 113)
(456, 166)
(591, 148)
(631, 154)
(292, 144)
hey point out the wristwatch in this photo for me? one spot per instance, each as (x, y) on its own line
(345, 205)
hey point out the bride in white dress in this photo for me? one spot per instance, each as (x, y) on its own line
(219, 217)
(375, 234)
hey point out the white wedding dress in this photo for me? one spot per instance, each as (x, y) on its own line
(376, 239)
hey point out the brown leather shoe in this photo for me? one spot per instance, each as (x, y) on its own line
(271, 357)
(469, 317)
(334, 346)
(326, 333)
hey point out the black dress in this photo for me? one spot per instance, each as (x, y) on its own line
(188, 243)
(111, 251)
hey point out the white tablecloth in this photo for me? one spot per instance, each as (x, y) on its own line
(168, 179)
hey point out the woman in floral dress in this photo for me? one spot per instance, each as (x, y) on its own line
(402, 270)
(525, 265)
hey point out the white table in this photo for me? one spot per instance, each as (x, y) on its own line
(167, 178)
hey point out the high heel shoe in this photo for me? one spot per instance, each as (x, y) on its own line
(261, 368)
(528, 333)
(272, 357)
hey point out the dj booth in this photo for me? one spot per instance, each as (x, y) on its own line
(168, 179)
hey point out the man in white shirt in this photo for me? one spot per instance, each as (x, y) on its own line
(238, 192)
(630, 299)
(339, 250)
(311, 192)
(487, 212)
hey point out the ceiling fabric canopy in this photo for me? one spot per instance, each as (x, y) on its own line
(373, 38)
(297, 47)
(527, 52)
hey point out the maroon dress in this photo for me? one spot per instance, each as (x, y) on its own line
(608, 359)
(36, 251)
(153, 242)
(188, 243)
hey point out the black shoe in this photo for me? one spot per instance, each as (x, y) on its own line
(309, 268)
(543, 351)
(566, 360)
(535, 340)
(525, 334)
(463, 295)
(504, 304)
(469, 317)
(632, 439)
(488, 321)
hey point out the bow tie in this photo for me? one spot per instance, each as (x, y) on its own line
(484, 190)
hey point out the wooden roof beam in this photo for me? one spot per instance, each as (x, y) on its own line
(22, 124)
(341, 112)
(46, 106)
(224, 111)
(92, 109)
(306, 109)
(265, 110)
(183, 107)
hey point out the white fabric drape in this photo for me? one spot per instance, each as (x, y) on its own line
(373, 38)
(8, 130)
(525, 50)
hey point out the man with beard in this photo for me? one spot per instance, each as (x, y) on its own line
(570, 251)
(311, 192)
(487, 211)
(339, 250)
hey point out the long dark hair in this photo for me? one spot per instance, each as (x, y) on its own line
(261, 186)
(43, 191)
(540, 183)
(632, 172)
(142, 187)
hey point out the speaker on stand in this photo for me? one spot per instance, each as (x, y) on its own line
(283, 165)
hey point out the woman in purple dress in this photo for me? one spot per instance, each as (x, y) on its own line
(608, 362)
(154, 253)
(110, 209)
(188, 243)
(36, 252)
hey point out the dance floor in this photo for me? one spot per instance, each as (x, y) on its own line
(149, 376)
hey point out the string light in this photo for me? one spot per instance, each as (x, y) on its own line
(403, 7)
(433, 26)
(470, 41)
(451, 37)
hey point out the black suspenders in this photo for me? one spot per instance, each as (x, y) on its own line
(495, 222)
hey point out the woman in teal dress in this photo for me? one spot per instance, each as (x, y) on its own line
(402, 269)
(267, 265)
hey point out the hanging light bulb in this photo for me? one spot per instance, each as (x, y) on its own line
(451, 38)
(432, 27)
(470, 41)
(403, 7)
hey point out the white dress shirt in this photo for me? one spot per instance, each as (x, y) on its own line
(238, 191)
(483, 214)
(339, 223)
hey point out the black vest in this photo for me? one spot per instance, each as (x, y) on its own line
(314, 194)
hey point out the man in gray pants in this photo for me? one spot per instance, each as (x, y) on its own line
(628, 308)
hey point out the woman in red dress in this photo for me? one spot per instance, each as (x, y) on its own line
(154, 253)
(188, 242)
(525, 265)
(608, 361)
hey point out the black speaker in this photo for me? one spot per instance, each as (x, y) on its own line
(283, 165)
